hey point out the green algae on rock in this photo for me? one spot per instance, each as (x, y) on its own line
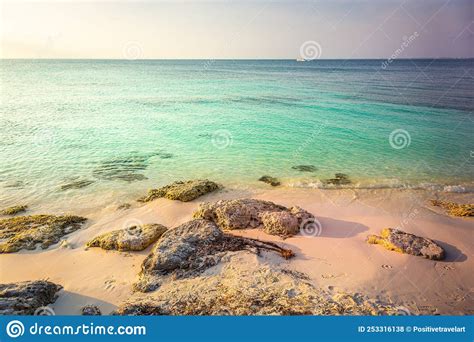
(25, 297)
(134, 238)
(14, 210)
(183, 191)
(455, 209)
(399, 241)
(305, 168)
(29, 232)
(339, 179)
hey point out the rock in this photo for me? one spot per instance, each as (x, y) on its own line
(455, 209)
(305, 168)
(248, 213)
(14, 210)
(241, 284)
(399, 241)
(27, 232)
(134, 238)
(191, 248)
(91, 310)
(124, 206)
(281, 223)
(184, 191)
(339, 179)
(76, 184)
(24, 298)
(270, 180)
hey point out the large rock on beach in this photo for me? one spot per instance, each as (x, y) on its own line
(133, 238)
(29, 232)
(253, 213)
(399, 241)
(190, 249)
(184, 191)
(24, 298)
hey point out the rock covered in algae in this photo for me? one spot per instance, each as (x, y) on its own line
(242, 284)
(29, 232)
(184, 191)
(133, 238)
(455, 209)
(91, 310)
(305, 168)
(339, 179)
(270, 180)
(14, 210)
(249, 213)
(25, 297)
(190, 249)
(399, 241)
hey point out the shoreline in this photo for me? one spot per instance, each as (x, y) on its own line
(339, 258)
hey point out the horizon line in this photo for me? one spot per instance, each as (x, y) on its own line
(241, 59)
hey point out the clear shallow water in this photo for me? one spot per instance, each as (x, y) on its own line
(115, 128)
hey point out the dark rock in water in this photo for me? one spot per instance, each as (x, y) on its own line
(76, 184)
(124, 206)
(24, 298)
(14, 210)
(250, 213)
(305, 168)
(91, 310)
(28, 232)
(182, 190)
(131, 177)
(192, 247)
(134, 238)
(339, 179)
(165, 155)
(399, 241)
(270, 180)
(15, 184)
(455, 209)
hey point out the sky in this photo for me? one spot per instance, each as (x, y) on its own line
(227, 29)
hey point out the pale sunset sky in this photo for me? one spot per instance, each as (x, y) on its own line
(235, 29)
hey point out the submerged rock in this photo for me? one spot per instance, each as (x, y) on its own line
(339, 179)
(124, 206)
(270, 180)
(184, 191)
(28, 232)
(249, 213)
(24, 298)
(305, 168)
(241, 284)
(399, 241)
(91, 310)
(455, 209)
(191, 248)
(76, 184)
(14, 210)
(134, 238)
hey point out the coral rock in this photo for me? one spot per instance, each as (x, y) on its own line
(184, 191)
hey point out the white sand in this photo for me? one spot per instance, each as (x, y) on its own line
(338, 258)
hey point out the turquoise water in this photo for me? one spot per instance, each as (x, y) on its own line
(78, 128)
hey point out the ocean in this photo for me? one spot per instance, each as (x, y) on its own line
(77, 132)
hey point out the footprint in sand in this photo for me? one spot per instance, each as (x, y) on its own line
(109, 284)
(387, 267)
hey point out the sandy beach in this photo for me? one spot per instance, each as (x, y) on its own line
(336, 258)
